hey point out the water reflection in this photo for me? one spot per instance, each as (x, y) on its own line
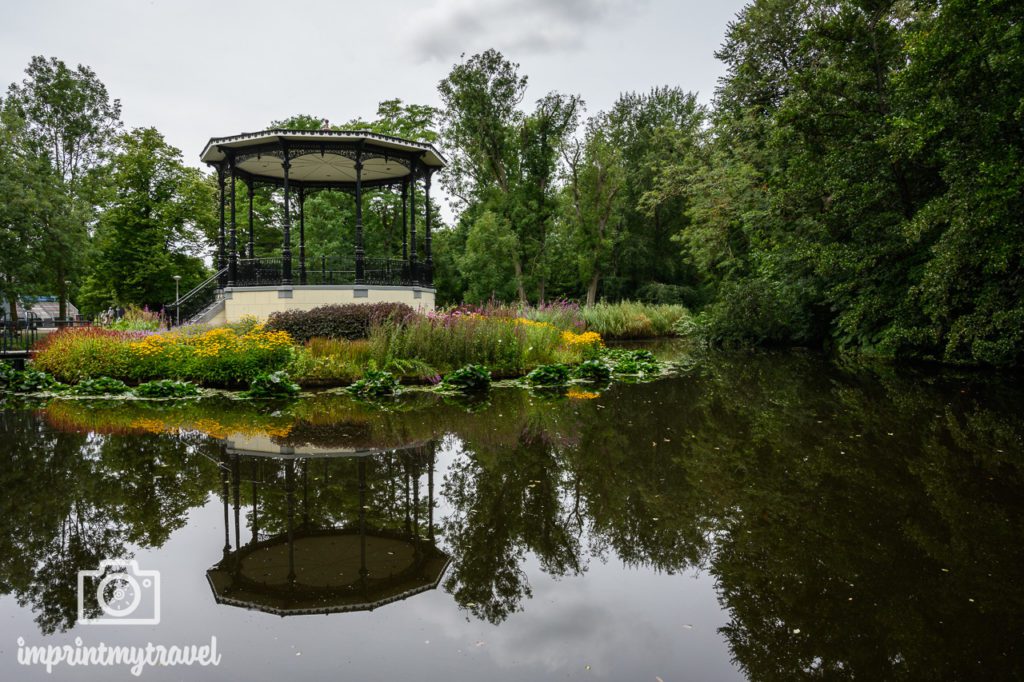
(344, 531)
(854, 524)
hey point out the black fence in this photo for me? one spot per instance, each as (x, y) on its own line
(18, 338)
(254, 272)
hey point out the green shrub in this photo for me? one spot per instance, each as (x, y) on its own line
(78, 353)
(758, 311)
(376, 383)
(348, 321)
(468, 379)
(166, 388)
(100, 386)
(549, 375)
(272, 385)
(592, 370)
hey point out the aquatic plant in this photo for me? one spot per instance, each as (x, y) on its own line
(592, 370)
(632, 362)
(376, 383)
(100, 386)
(468, 379)
(166, 388)
(26, 381)
(549, 375)
(272, 385)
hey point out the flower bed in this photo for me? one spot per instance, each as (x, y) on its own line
(218, 356)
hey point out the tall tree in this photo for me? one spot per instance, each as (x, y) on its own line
(503, 159)
(595, 181)
(71, 116)
(155, 225)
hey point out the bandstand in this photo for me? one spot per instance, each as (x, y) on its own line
(300, 163)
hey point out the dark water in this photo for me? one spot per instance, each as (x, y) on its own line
(765, 517)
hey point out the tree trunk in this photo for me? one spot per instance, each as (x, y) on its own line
(592, 289)
(13, 300)
(519, 281)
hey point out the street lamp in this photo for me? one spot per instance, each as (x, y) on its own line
(177, 304)
(67, 299)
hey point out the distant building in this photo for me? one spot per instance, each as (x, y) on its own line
(45, 308)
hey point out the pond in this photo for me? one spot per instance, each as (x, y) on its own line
(757, 516)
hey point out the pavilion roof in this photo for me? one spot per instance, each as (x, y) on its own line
(323, 157)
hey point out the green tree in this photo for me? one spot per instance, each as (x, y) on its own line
(504, 160)
(596, 177)
(75, 123)
(490, 259)
(154, 227)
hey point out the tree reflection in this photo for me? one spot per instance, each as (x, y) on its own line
(859, 523)
(74, 499)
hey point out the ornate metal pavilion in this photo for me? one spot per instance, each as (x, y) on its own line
(299, 163)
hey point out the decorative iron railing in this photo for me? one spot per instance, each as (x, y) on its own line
(254, 272)
(334, 270)
(188, 307)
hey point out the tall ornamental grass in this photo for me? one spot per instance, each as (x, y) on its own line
(621, 320)
(631, 320)
(327, 361)
(508, 347)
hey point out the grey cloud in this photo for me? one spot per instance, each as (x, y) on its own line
(447, 28)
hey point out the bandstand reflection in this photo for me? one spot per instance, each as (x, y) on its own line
(312, 530)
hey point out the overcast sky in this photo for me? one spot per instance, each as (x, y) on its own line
(198, 69)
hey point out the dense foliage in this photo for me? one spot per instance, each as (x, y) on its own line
(348, 321)
(855, 184)
(860, 183)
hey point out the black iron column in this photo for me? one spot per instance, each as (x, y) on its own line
(286, 250)
(412, 225)
(429, 273)
(359, 220)
(362, 518)
(302, 234)
(224, 494)
(251, 250)
(233, 243)
(236, 487)
(289, 485)
(405, 222)
(253, 471)
(221, 256)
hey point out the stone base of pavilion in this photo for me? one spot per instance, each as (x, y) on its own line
(259, 302)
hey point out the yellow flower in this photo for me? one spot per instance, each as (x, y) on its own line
(573, 340)
(577, 394)
(533, 323)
